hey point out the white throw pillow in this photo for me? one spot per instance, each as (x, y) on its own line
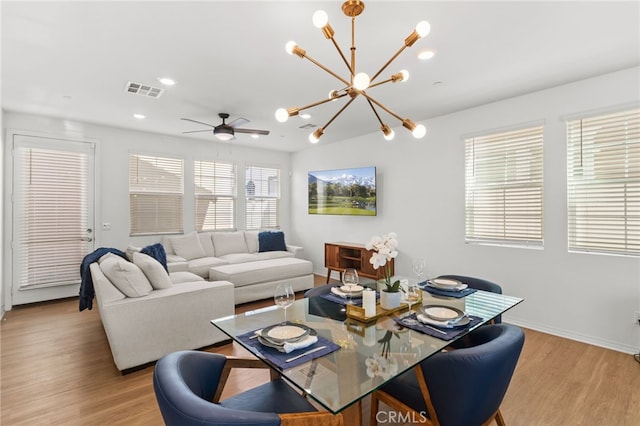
(229, 242)
(251, 237)
(127, 277)
(130, 250)
(207, 244)
(153, 270)
(188, 246)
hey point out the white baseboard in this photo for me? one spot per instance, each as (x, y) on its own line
(607, 344)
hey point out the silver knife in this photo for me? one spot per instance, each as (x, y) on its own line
(319, 348)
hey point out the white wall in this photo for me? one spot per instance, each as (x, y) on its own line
(112, 193)
(587, 297)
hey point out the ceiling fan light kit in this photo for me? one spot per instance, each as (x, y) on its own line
(356, 84)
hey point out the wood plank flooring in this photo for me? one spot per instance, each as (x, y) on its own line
(56, 369)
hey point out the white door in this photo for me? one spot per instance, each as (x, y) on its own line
(53, 181)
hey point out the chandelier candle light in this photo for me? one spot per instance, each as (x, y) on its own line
(357, 83)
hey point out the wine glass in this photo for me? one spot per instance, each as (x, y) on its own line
(418, 268)
(350, 279)
(284, 297)
(413, 295)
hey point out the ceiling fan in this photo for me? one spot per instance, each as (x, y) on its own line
(224, 131)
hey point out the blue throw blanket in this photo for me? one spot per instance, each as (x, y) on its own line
(86, 283)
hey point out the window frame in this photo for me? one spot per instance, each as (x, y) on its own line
(265, 201)
(226, 193)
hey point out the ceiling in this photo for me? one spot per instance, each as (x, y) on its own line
(72, 60)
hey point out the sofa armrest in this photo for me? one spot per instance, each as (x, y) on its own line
(144, 329)
(296, 250)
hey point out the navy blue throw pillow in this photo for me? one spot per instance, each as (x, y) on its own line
(271, 241)
(157, 252)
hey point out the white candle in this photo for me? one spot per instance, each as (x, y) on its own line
(369, 302)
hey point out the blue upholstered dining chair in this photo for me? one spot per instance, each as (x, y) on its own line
(458, 387)
(479, 284)
(188, 385)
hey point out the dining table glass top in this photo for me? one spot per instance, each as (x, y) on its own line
(369, 354)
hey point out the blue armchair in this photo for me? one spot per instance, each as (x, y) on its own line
(188, 385)
(458, 387)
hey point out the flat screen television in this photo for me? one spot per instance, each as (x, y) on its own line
(343, 192)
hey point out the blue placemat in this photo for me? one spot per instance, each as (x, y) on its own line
(279, 358)
(448, 293)
(440, 333)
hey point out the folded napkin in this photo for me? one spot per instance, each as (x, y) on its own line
(458, 294)
(279, 358)
(300, 344)
(439, 331)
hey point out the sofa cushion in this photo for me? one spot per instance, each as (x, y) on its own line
(239, 257)
(271, 241)
(201, 266)
(242, 274)
(229, 242)
(184, 277)
(272, 255)
(188, 246)
(130, 250)
(153, 270)
(207, 244)
(125, 276)
(166, 243)
(157, 252)
(251, 238)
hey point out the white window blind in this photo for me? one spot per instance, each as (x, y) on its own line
(262, 190)
(503, 188)
(155, 195)
(603, 183)
(50, 216)
(215, 195)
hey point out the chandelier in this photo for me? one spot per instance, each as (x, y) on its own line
(357, 84)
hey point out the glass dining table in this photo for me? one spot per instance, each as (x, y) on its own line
(369, 354)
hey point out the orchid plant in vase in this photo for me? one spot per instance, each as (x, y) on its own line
(384, 249)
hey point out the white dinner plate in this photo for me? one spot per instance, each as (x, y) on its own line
(338, 292)
(447, 284)
(442, 313)
(280, 345)
(281, 333)
(444, 324)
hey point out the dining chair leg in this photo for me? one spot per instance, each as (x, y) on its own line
(499, 418)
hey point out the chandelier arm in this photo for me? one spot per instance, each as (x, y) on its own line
(342, 55)
(381, 106)
(375, 112)
(338, 113)
(327, 70)
(324, 101)
(389, 62)
(353, 47)
(380, 83)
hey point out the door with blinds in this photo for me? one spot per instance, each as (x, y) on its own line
(52, 216)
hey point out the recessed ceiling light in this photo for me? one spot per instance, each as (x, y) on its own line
(166, 81)
(139, 116)
(305, 116)
(426, 54)
(255, 136)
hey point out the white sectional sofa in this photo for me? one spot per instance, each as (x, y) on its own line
(148, 313)
(239, 258)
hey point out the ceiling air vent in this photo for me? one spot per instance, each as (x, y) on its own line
(143, 89)
(308, 126)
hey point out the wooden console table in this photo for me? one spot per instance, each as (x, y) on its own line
(340, 256)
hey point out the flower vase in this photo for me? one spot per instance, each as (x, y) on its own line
(390, 300)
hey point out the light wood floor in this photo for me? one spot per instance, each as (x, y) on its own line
(56, 369)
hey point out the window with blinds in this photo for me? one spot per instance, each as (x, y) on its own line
(503, 188)
(262, 191)
(215, 195)
(155, 195)
(603, 183)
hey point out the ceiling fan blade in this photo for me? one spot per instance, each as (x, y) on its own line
(199, 122)
(197, 131)
(252, 131)
(238, 122)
